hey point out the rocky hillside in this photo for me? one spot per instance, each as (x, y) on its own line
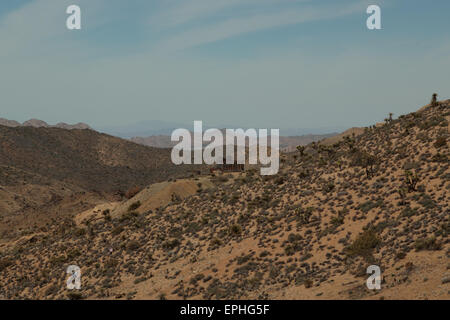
(378, 198)
(84, 158)
(52, 173)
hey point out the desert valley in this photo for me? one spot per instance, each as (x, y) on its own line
(140, 227)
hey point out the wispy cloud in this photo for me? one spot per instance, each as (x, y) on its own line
(41, 24)
(231, 26)
(179, 12)
(172, 25)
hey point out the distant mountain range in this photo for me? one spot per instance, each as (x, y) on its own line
(156, 133)
(150, 128)
(36, 123)
(287, 144)
(142, 129)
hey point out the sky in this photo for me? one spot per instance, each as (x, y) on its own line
(235, 63)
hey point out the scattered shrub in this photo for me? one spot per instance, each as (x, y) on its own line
(235, 230)
(409, 212)
(368, 205)
(337, 221)
(134, 206)
(128, 216)
(440, 142)
(133, 245)
(4, 263)
(73, 295)
(59, 260)
(79, 232)
(171, 244)
(363, 244)
(427, 244)
(117, 230)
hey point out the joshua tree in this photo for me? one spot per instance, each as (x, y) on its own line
(369, 161)
(350, 143)
(402, 194)
(434, 100)
(365, 160)
(301, 149)
(389, 120)
(411, 180)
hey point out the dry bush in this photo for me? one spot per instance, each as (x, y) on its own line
(363, 244)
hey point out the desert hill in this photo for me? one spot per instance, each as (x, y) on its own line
(84, 158)
(352, 132)
(153, 197)
(50, 173)
(377, 198)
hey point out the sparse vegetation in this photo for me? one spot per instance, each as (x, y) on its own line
(244, 236)
(364, 244)
(235, 230)
(427, 244)
(134, 206)
(441, 141)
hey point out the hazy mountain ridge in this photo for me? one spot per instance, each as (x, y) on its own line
(152, 128)
(36, 123)
(287, 144)
(157, 133)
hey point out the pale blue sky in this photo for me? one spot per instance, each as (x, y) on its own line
(252, 63)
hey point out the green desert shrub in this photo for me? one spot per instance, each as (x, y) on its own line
(73, 295)
(364, 244)
(4, 263)
(133, 245)
(128, 216)
(427, 244)
(440, 142)
(171, 244)
(79, 232)
(117, 230)
(235, 230)
(134, 206)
